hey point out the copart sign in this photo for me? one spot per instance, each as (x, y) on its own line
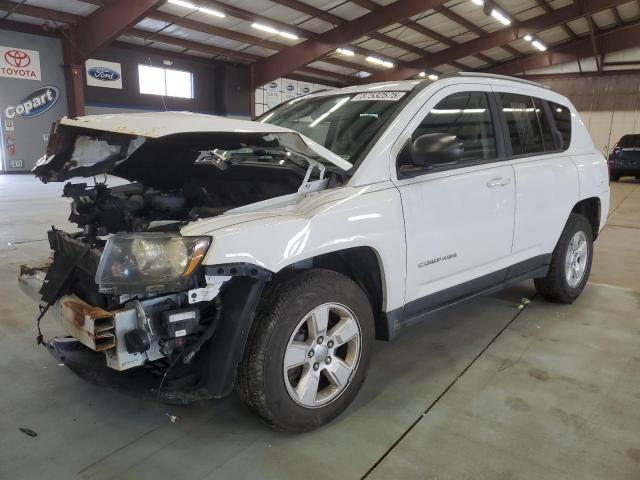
(19, 63)
(34, 104)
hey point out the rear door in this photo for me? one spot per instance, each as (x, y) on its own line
(546, 178)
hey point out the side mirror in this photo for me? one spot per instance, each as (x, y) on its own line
(429, 151)
(434, 149)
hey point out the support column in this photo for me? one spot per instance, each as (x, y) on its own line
(73, 80)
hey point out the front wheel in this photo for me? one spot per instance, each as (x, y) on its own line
(570, 262)
(308, 350)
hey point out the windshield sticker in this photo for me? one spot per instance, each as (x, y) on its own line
(384, 96)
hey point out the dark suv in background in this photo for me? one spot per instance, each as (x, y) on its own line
(624, 159)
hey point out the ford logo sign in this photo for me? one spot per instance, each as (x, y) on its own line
(290, 88)
(273, 85)
(34, 104)
(105, 74)
(306, 90)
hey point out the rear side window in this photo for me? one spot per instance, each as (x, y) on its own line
(545, 125)
(529, 129)
(562, 116)
(467, 116)
(630, 141)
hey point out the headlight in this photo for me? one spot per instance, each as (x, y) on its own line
(149, 262)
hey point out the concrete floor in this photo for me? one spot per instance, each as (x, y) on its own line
(484, 390)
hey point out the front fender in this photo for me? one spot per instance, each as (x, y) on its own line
(329, 221)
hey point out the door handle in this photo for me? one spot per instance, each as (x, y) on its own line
(498, 182)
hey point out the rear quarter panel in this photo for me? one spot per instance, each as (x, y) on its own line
(593, 171)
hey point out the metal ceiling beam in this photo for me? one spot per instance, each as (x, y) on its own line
(311, 11)
(39, 12)
(310, 50)
(227, 54)
(594, 43)
(496, 39)
(617, 16)
(336, 20)
(103, 26)
(547, 8)
(611, 40)
(419, 28)
(606, 73)
(238, 36)
(454, 17)
(77, 48)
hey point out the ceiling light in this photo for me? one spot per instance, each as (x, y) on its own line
(345, 51)
(422, 74)
(433, 77)
(379, 61)
(498, 15)
(539, 45)
(478, 2)
(191, 6)
(267, 28)
(528, 38)
(290, 36)
(180, 3)
(210, 11)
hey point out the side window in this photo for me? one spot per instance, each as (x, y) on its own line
(545, 125)
(523, 123)
(562, 116)
(467, 116)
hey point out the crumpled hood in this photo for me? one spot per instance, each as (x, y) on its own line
(129, 131)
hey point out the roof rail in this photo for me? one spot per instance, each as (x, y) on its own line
(495, 76)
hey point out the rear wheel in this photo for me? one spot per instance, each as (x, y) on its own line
(308, 351)
(570, 262)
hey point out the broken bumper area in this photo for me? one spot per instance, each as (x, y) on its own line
(91, 350)
(143, 383)
(97, 351)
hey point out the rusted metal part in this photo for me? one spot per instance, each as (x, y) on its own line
(31, 279)
(29, 270)
(92, 326)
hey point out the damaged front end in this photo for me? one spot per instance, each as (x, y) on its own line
(187, 331)
(128, 287)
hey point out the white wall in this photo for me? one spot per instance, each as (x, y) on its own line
(607, 127)
(282, 90)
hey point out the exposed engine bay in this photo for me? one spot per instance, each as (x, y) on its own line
(177, 178)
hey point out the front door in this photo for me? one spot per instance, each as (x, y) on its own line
(459, 218)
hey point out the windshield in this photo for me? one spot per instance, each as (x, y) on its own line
(630, 141)
(344, 124)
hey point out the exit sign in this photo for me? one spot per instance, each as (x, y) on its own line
(16, 163)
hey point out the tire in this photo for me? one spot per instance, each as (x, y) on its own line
(284, 324)
(560, 285)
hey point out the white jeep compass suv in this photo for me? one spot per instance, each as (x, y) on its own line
(268, 255)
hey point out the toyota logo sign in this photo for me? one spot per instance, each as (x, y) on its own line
(20, 63)
(17, 58)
